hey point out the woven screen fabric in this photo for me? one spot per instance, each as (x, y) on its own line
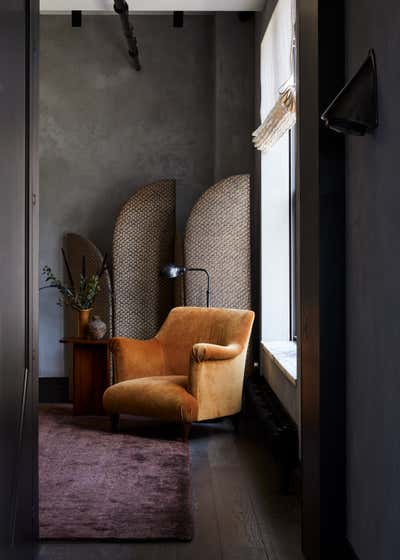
(75, 247)
(143, 241)
(218, 238)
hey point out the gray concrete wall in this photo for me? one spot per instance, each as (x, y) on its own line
(105, 129)
(234, 93)
(373, 302)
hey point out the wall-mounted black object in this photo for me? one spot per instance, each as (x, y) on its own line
(122, 9)
(76, 18)
(175, 271)
(245, 16)
(355, 109)
(178, 19)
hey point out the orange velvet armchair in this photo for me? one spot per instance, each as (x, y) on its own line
(192, 370)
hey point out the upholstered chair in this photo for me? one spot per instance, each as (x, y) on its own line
(191, 370)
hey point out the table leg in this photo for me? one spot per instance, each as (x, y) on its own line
(91, 373)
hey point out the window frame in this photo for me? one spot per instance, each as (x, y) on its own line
(292, 236)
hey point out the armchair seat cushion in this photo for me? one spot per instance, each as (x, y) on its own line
(163, 396)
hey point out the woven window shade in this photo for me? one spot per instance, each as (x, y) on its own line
(279, 120)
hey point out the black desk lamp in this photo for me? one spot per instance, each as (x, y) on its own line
(174, 271)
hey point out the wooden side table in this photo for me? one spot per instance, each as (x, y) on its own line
(91, 373)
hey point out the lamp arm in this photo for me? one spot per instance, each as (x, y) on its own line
(208, 281)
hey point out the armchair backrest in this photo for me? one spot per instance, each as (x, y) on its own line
(186, 326)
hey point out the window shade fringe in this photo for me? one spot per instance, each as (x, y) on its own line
(279, 120)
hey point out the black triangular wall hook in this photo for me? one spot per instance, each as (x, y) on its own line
(355, 109)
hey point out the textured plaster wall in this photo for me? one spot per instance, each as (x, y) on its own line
(105, 129)
(373, 302)
(234, 94)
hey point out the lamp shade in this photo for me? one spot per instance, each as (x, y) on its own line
(172, 271)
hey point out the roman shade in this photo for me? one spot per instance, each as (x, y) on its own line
(278, 107)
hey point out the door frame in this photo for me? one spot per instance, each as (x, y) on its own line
(32, 189)
(20, 531)
(321, 281)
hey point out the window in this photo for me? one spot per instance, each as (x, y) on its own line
(292, 234)
(278, 196)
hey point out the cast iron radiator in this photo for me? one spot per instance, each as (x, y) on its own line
(275, 425)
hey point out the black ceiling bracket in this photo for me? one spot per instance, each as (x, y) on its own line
(122, 9)
(76, 18)
(178, 19)
(245, 16)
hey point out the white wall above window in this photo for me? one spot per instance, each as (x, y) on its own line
(153, 5)
(275, 55)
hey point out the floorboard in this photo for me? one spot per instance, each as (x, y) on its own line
(278, 514)
(239, 511)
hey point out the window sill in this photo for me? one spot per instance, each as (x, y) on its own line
(284, 355)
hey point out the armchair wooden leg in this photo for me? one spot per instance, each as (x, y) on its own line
(186, 426)
(114, 422)
(236, 422)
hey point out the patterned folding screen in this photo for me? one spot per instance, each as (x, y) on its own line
(143, 241)
(75, 246)
(218, 239)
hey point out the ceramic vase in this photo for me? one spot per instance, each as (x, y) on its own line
(97, 328)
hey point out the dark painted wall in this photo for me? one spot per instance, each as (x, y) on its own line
(373, 301)
(105, 129)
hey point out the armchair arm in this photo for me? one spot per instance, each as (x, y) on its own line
(203, 351)
(134, 358)
(216, 379)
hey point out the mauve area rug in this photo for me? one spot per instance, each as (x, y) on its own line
(133, 485)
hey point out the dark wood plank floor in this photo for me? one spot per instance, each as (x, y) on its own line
(240, 513)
